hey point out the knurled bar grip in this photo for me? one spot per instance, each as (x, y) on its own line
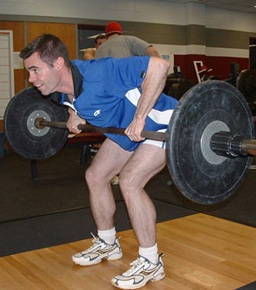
(158, 136)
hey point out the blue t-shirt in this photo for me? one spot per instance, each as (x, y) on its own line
(109, 92)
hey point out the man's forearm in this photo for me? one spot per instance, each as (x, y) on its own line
(152, 86)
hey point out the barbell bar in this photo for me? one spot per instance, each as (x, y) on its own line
(209, 140)
(221, 143)
(41, 123)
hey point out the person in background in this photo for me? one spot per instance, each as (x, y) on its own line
(89, 53)
(99, 40)
(119, 45)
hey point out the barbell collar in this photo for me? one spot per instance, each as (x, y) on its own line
(153, 135)
(232, 145)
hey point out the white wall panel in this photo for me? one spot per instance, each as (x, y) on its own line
(6, 70)
(160, 12)
(201, 50)
(194, 14)
(230, 20)
(134, 10)
(227, 52)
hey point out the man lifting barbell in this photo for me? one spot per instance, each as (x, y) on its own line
(209, 141)
(117, 93)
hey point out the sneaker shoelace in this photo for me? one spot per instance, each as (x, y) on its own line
(95, 242)
(134, 265)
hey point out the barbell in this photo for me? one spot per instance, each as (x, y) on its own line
(209, 140)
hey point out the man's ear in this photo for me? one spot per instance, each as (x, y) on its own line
(59, 63)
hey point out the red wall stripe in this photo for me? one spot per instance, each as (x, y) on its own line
(221, 66)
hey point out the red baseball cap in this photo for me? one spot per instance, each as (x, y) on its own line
(113, 27)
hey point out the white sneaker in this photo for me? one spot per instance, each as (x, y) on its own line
(140, 273)
(97, 252)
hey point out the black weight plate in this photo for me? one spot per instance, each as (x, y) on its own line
(246, 84)
(199, 179)
(26, 139)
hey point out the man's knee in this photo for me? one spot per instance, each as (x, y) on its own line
(128, 182)
(90, 175)
(98, 175)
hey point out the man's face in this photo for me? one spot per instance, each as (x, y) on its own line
(44, 77)
(99, 42)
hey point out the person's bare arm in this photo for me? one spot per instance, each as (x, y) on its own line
(152, 87)
(89, 53)
(74, 121)
(151, 51)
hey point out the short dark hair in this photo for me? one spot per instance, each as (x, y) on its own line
(49, 47)
(100, 36)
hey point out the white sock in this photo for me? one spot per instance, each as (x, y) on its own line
(150, 253)
(108, 236)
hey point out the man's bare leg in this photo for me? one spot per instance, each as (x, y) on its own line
(145, 162)
(105, 165)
